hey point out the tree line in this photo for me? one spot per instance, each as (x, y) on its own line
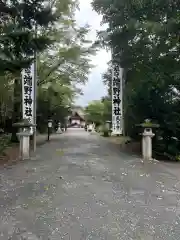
(144, 38)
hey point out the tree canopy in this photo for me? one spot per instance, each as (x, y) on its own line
(98, 111)
(63, 56)
(19, 37)
(144, 39)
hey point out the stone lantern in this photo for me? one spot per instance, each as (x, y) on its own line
(147, 136)
(59, 130)
(24, 134)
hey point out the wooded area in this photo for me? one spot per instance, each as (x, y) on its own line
(144, 38)
(47, 28)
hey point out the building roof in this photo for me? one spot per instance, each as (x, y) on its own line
(77, 114)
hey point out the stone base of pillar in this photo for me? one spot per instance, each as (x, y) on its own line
(147, 145)
(24, 148)
(115, 133)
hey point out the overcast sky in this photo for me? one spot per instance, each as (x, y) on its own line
(94, 89)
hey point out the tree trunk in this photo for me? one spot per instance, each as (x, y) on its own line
(16, 115)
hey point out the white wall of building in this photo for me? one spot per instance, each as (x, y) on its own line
(76, 121)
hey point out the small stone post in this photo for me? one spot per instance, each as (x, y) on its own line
(24, 149)
(49, 128)
(59, 128)
(147, 136)
(93, 127)
(147, 143)
(24, 138)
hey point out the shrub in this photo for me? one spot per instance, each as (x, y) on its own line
(105, 131)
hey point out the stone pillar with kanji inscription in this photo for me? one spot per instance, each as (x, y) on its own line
(28, 95)
(117, 79)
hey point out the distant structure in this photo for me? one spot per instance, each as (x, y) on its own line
(76, 119)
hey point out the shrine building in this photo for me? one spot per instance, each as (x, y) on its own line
(76, 119)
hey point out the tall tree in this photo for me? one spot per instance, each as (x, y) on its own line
(98, 111)
(63, 61)
(19, 38)
(145, 41)
(62, 67)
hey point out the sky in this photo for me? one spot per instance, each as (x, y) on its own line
(94, 89)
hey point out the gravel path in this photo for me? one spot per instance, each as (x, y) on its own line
(80, 187)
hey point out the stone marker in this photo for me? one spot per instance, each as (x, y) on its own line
(24, 138)
(147, 136)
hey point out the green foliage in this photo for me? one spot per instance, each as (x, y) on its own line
(63, 57)
(144, 38)
(4, 142)
(105, 131)
(98, 111)
(94, 112)
(60, 69)
(19, 37)
(54, 102)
